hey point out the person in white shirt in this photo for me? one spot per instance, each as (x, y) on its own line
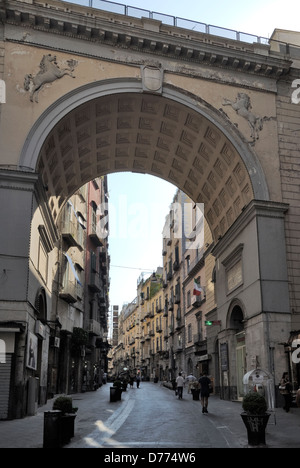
(190, 379)
(179, 382)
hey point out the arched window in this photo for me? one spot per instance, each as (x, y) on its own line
(41, 304)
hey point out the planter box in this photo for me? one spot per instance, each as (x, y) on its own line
(195, 393)
(256, 427)
(115, 394)
(67, 424)
(52, 434)
(58, 428)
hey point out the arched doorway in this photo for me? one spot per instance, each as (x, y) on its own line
(41, 320)
(236, 323)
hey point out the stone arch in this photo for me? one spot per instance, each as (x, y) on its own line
(236, 316)
(113, 126)
(41, 304)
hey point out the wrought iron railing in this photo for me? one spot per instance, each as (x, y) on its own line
(179, 22)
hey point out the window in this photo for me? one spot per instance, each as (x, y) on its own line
(93, 261)
(94, 216)
(188, 298)
(234, 269)
(189, 332)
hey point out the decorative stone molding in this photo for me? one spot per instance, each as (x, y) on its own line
(152, 78)
(242, 106)
(148, 36)
(49, 72)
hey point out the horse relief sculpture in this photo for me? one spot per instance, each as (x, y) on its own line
(242, 106)
(49, 72)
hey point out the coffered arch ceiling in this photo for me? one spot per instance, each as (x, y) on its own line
(151, 134)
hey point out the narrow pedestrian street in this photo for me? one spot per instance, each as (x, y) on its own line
(153, 419)
(152, 416)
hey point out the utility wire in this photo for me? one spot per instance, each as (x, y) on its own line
(133, 268)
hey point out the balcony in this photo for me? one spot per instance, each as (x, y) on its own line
(69, 292)
(94, 282)
(176, 265)
(94, 327)
(198, 339)
(178, 323)
(95, 235)
(177, 298)
(196, 301)
(69, 232)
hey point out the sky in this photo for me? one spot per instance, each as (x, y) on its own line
(138, 206)
(140, 203)
(259, 17)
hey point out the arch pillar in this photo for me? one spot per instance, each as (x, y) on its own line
(17, 189)
(251, 270)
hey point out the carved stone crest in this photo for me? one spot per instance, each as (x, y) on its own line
(49, 72)
(152, 78)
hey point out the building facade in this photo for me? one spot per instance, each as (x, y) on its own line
(61, 345)
(163, 330)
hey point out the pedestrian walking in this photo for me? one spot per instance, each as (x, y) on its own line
(190, 379)
(179, 382)
(285, 388)
(138, 379)
(131, 380)
(205, 383)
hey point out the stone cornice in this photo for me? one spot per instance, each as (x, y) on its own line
(254, 209)
(144, 36)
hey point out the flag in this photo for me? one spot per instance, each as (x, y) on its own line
(197, 289)
(72, 268)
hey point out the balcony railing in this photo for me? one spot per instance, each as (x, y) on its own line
(95, 235)
(192, 25)
(70, 233)
(69, 292)
(94, 327)
(94, 282)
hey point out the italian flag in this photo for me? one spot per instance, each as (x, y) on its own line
(197, 289)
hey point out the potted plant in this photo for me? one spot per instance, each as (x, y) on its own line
(195, 389)
(255, 417)
(67, 419)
